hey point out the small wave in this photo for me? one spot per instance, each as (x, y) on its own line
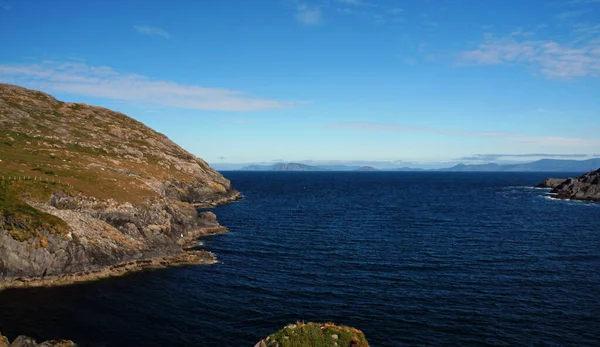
(583, 202)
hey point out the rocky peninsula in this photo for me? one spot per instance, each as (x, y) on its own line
(86, 193)
(585, 187)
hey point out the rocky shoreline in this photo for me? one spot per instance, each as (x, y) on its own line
(584, 188)
(26, 341)
(179, 249)
(189, 255)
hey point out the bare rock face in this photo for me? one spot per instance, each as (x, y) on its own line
(551, 183)
(84, 188)
(585, 187)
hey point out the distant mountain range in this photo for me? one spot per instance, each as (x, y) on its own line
(543, 165)
(283, 167)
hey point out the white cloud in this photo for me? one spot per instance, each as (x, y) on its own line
(308, 15)
(146, 30)
(104, 82)
(580, 58)
(512, 137)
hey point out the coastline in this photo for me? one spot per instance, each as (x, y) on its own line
(187, 256)
(584, 188)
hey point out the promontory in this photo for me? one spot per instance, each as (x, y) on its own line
(86, 192)
(584, 187)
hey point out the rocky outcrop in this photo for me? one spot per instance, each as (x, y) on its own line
(585, 187)
(25, 341)
(87, 192)
(551, 183)
(315, 334)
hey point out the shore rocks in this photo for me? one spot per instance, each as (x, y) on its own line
(25, 341)
(315, 334)
(585, 187)
(551, 183)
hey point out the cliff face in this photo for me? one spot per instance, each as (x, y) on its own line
(584, 187)
(84, 187)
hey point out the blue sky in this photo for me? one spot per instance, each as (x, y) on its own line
(345, 80)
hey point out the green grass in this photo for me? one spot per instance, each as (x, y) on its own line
(317, 335)
(23, 221)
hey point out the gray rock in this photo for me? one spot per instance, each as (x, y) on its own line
(585, 187)
(23, 341)
(551, 183)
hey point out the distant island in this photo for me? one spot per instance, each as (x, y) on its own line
(585, 187)
(282, 167)
(366, 168)
(542, 165)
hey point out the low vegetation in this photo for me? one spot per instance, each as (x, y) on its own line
(95, 151)
(22, 220)
(317, 335)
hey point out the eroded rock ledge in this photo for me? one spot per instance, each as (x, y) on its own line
(585, 187)
(106, 239)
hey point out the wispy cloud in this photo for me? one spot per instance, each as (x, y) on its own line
(104, 82)
(5, 6)
(146, 30)
(492, 157)
(550, 58)
(375, 126)
(571, 14)
(308, 15)
(584, 2)
(513, 137)
(370, 11)
(355, 2)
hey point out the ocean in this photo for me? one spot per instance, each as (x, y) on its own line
(425, 258)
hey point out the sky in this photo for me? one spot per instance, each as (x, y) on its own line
(403, 81)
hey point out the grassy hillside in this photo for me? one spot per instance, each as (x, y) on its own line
(23, 221)
(48, 145)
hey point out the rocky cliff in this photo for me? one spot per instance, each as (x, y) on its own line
(89, 192)
(584, 187)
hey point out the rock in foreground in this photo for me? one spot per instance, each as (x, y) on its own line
(25, 341)
(585, 187)
(317, 335)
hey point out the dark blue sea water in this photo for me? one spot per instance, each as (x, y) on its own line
(465, 259)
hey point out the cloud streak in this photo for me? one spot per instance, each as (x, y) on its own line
(104, 82)
(552, 59)
(152, 31)
(308, 15)
(491, 157)
(513, 137)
